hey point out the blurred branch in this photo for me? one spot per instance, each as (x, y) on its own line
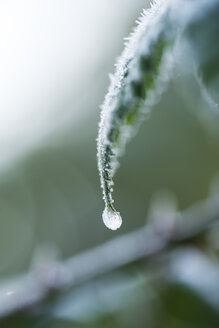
(34, 288)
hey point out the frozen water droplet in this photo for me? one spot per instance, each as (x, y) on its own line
(111, 219)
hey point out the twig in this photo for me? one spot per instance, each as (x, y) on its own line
(33, 288)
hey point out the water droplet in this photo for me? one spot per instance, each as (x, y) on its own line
(111, 219)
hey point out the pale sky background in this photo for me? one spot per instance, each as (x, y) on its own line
(48, 52)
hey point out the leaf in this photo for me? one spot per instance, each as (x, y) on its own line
(134, 88)
(138, 81)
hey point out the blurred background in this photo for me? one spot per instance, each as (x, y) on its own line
(55, 57)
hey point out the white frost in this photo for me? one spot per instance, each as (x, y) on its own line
(111, 219)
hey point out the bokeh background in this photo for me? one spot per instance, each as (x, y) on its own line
(55, 57)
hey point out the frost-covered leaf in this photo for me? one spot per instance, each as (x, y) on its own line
(140, 76)
(132, 86)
